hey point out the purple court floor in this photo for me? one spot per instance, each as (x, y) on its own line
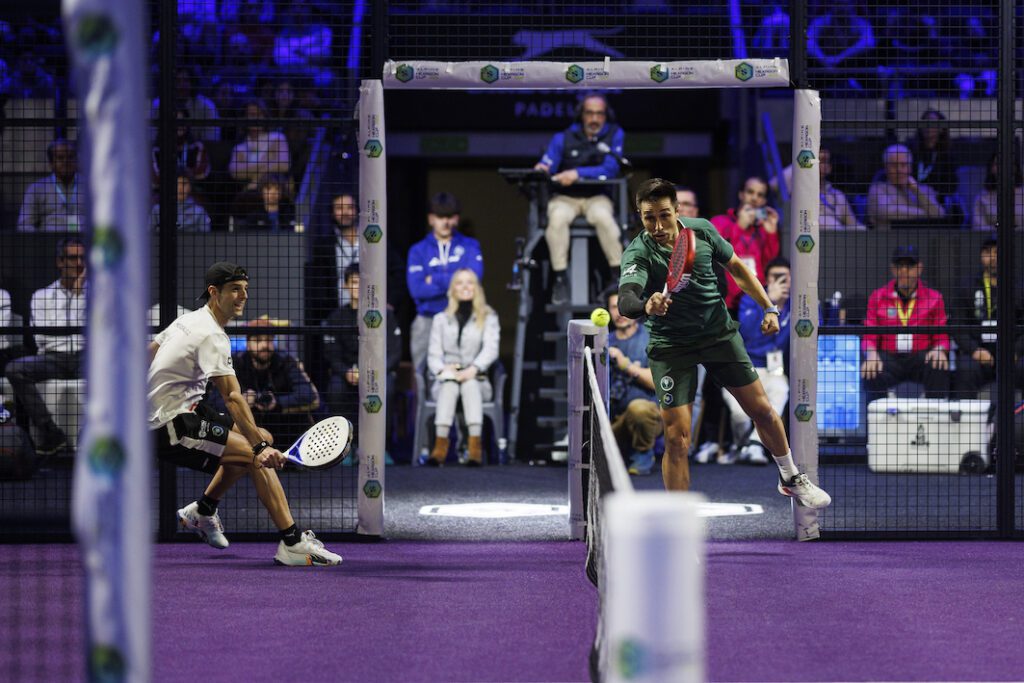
(438, 611)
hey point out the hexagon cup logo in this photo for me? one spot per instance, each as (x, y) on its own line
(373, 319)
(804, 412)
(373, 233)
(373, 404)
(106, 456)
(744, 72)
(96, 36)
(805, 244)
(804, 158)
(107, 248)
(405, 73)
(489, 74)
(659, 74)
(373, 148)
(804, 327)
(372, 488)
(574, 74)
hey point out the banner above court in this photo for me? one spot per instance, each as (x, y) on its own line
(728, 73)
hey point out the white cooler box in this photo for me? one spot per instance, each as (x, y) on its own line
(928, 435)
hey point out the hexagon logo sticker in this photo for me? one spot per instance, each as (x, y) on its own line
(804, 327)
(659, 74)
(373, 148)
(372, 488)
(373, 404)
(107, 248)
(804, 412)
(744, 72)
(575, 73)
(805, 244)
(405, 73)
(373, 233)
(489, 74)
(373, 319)
(804, 158)
(106, 456)
(96, 36)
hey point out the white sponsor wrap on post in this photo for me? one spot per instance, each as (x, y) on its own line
(716, 73)
(803, 378)
(112, 484)
(654, 587)
(373, 310)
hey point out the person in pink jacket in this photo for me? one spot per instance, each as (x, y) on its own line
(905, 301)
(753, 230)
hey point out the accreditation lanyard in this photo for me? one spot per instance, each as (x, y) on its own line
(905, 342)
(988, 296)
(904, 314)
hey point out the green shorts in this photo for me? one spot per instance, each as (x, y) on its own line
(675, 370)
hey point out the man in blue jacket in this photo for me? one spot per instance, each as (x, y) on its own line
(431, 263)
(768, 354)
(589, 149)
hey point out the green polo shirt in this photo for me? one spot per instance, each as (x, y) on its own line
(697, 316)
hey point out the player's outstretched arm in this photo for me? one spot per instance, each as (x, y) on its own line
(240, 412)
(748, 282)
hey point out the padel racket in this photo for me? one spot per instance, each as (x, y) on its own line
(323, 445)
(680, 263)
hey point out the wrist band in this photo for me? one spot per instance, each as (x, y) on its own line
(258, 448)
(772, 309)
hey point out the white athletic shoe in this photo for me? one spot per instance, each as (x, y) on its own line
(707, 451)
(209, 528)
(805, 492)
(756, 454)
(309, 552)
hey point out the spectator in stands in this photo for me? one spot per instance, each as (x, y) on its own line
(834, 212)
(589, 149)
(898, 196)
(342, 348)
(893, 358)
(686, 202)
(986, 204)
(933, 163)
(228, 102)
(753, 230)
(10, 344)
(768, 353)
(59, 356)
(262, 152)
(274, 384)
(345, 221)
(284, 105)
(53, 204)
(199, 107)
(29, 78)
(636, 419)
(190, 153)
(276, 211)
(463, 344)
(975, 306)
(191, 216)
(431, 264)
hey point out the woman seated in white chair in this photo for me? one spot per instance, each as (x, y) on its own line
(463, 345)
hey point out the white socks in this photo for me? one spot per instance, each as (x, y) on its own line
(787, 468)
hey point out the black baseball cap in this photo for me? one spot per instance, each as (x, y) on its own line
(906, 252)
(221, 273)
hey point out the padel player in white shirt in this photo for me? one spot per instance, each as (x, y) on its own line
(193, 351)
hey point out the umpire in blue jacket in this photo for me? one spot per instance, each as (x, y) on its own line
(431, 264)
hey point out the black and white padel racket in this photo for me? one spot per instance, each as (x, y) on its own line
(680, 263)
(324, 445)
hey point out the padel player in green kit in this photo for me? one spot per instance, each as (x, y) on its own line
(691, 326)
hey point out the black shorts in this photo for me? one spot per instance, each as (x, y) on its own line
(199, 439)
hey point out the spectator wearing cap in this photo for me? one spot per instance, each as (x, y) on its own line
(275, 385)
(432, 262)
(976, 307)
(897, 195)
(904, 302)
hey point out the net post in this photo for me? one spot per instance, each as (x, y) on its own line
(803, 379)
(372, 309)
(581, 334)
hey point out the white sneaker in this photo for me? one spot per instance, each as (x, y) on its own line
(727, 457)
(805, 492)
(309, 552)
(706, 451)
(756, 454)
(209, 528)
